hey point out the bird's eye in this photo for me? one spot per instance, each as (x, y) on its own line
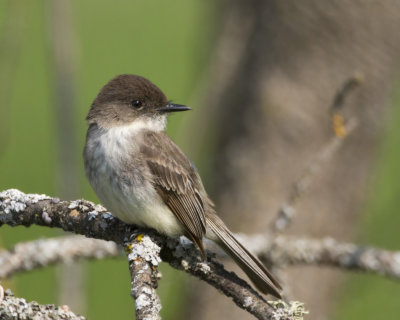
(136, 104)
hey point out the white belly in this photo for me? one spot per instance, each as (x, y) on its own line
(128, 195)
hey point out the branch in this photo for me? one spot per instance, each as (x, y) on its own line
(144, 256)
(212, 272)
(327, 251)
(39, 253)
(12, 308)
(44, 252)
(279, 250)
(187, 258)
(83, 217)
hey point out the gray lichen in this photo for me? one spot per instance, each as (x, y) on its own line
(74, 204)
(13, 200)
(294, 310)
(12, 308)
(92, 215)
(143, 300)
(248, 301)
(147, 249)
(46, 217)
(147, 304)
(185, 249)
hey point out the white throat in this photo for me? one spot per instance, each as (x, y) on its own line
(119, 141)
(154, 124)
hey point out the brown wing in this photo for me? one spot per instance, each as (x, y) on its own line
(177, 182)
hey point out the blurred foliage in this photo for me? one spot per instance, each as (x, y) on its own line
(167, 42)
(370, 296)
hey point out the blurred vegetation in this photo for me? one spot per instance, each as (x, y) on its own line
(167, 42)
(370, 296)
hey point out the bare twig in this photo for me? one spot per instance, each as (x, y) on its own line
(83, 217)
(12, 308)
(301, 186)
(341, 95)
(341, 130)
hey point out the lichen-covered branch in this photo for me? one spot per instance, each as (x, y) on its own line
(31, 255)
(187, 258)
(83, 217)
(13, 308)
(279, 250)
(213, 273)
(144, 256)
(327, 251)
(79, 216)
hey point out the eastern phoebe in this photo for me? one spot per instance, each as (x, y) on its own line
(143, 177)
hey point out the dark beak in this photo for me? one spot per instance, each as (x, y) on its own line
(172, 107)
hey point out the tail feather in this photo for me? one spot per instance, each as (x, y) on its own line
(254, 268)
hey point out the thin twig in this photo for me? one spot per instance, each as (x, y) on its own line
(348, 86)
(341, 130)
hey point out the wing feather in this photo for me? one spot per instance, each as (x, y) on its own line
(177, 182)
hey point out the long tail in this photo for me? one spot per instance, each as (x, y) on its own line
(255, 270)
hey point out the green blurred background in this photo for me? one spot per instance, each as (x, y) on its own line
(169, 43)
(166, 42)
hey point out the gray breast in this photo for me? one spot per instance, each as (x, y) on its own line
(115, 174)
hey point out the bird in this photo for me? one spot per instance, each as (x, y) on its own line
(143, 178)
